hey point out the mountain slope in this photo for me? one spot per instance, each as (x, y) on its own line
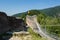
(19, 14)
(53, 11)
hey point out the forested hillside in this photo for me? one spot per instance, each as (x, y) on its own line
(53, 11)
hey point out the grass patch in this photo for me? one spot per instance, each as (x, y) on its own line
(34, 35)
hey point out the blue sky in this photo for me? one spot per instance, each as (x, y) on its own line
(17, 6)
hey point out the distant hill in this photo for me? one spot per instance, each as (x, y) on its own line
(53, 11)
(19, 14)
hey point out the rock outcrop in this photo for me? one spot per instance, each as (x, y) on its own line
(8, 23)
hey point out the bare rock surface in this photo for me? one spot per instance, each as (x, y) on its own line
(21, 37)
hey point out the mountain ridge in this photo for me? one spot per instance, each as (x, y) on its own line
(53, 11)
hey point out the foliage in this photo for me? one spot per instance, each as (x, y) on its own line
(33, 12)
(52, 24)
(35, 36)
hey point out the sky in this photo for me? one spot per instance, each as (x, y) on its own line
(12, 7)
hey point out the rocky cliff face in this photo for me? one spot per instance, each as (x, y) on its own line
(4, 27)
(10, 23)
(16, 24)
